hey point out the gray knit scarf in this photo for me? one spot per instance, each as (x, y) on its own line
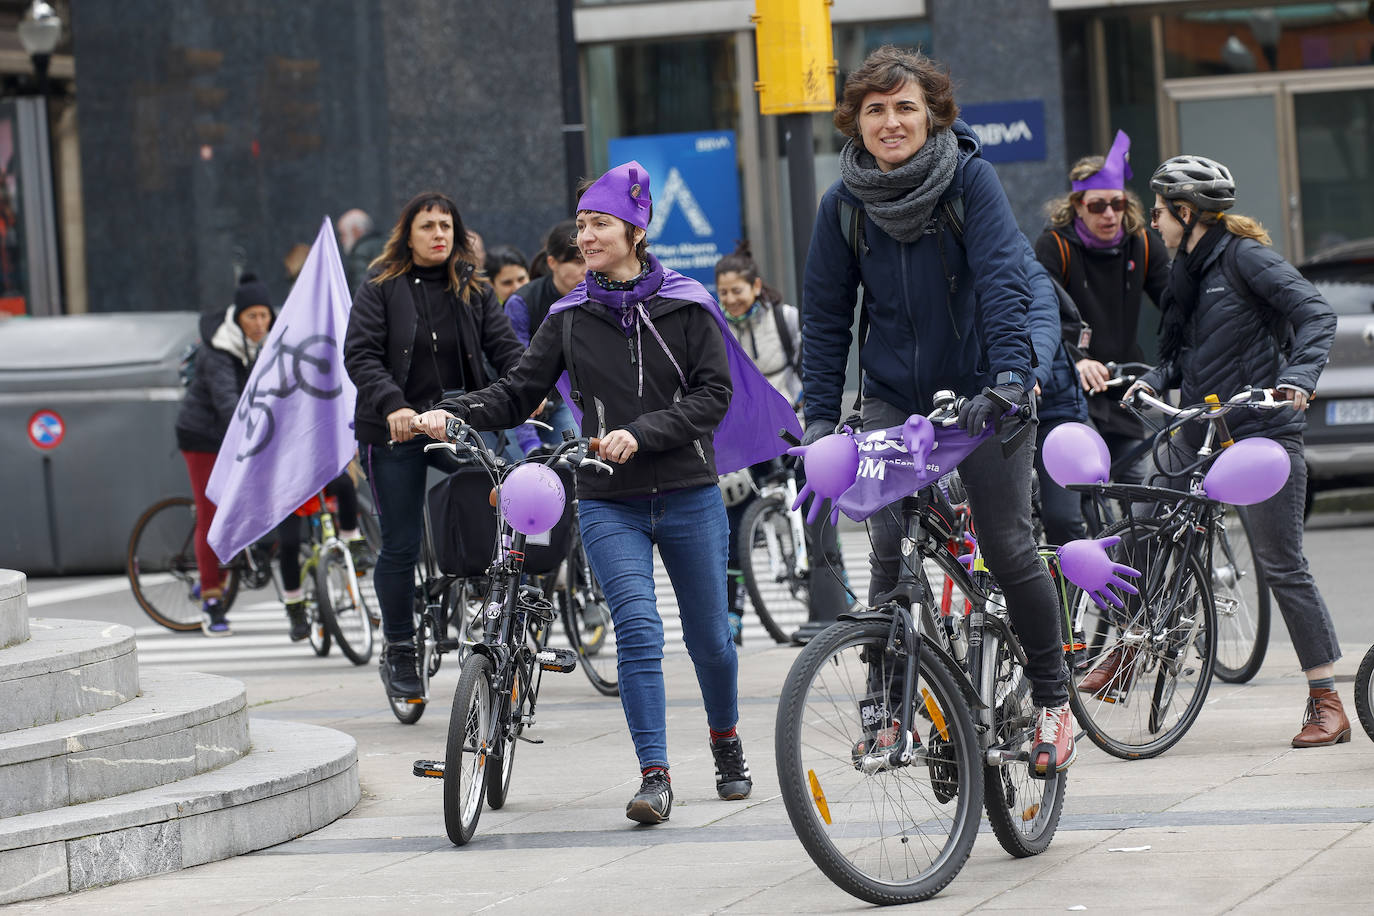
(901, 201)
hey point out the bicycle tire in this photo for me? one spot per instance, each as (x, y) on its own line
(163, 544)
(341, 605)
(587, 621)
(512, 706)
(824, 789)
(465, 757)
(1023, 810)
(767, 554)
(1242, 601)
(1364, 686)
(320, 639)
(1126, 718)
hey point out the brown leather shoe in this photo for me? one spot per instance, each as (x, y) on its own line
(1108, 681)
(1324, 723)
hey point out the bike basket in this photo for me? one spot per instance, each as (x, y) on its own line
(464, 526)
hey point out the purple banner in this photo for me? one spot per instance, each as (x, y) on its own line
(887, 472)
(292, 432)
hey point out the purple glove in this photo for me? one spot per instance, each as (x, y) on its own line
(1085, 563)
(832, 464)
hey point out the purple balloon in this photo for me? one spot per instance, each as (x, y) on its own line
(918, 435)
(1075, 453)
(1085, 563)
(832, 465)
(1248, 472)
(532, 499)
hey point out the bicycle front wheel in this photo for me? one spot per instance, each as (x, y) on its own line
(1022, 809)
(1145, 683)
(768, 559)
(341, 605)
(886, 833)
(161, 565)
(465, 760)
(1242, 601)
(320, 640)
(1364, 686)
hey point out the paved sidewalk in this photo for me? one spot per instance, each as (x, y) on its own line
(1231, 819)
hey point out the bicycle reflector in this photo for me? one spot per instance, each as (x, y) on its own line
(532, 499)
(1248, 472)
(1075, 453)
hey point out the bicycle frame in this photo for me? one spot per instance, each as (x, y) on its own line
(784, 487)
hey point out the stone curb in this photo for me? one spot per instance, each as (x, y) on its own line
(68, 668)
(296, 779)
(181, 724)
(14, 608)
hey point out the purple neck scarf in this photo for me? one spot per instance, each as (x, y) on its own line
(1085, 235)
(749, 432)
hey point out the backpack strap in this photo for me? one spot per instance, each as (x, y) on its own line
(954, 215)
(573, 391)
(1063, 247)
(852, 227)
(784, 336)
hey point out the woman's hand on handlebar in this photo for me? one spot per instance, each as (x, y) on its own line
(1093, 375)
(618, 445)
(1296, 396)
(398, 424)
(1129, 396)
(432, 423)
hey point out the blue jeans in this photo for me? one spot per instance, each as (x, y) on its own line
(690, 530)
(397, 476)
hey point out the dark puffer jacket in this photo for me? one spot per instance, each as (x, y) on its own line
(220, 376)
(379, 344)
(1229, 341)
(674, 427)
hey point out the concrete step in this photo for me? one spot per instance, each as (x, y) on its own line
(14, 608)
(180, 725)
(297, 778)
(68, 668)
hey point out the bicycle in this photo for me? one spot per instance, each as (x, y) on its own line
(887, 811)
(498, 687)
(1159, 651)
(1364, 687)
(774, 551)
(333, 598)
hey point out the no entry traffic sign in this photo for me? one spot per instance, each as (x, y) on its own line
(46, 430)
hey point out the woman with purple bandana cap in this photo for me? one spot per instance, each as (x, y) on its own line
(651, 369)
(1100, 248)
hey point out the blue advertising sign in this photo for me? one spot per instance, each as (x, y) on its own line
(694, 180)
(1009, 131)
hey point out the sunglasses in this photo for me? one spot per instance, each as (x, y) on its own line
(1156, 213)
(1098, 207)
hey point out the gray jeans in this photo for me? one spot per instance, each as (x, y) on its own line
(999, 495)
(1275, 527)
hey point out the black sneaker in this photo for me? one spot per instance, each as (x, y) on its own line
(399, 674)
(214, 620)
(654, 801)
(732, 771)
(300, 624)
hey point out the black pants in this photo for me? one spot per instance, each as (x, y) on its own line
(289, 533)
(999, 494)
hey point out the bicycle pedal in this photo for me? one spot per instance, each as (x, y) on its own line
(560, 660)
(429, 769)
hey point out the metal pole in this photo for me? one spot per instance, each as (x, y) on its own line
(574, 131)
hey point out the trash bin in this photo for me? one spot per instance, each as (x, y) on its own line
(88, 407)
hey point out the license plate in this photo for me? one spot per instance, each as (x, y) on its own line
(1355, 410)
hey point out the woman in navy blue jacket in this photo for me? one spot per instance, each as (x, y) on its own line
(923, 224)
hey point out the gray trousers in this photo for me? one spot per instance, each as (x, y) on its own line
(999, 495)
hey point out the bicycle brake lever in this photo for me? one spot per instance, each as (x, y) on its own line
(598, 464)
(448, 445)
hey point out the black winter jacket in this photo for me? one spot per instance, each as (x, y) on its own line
(1229, 341)
(380, 339)
(210, 400)
(673, 427)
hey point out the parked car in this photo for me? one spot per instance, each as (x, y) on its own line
(1340, 422)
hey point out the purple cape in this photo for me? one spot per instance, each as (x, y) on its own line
(749, 432)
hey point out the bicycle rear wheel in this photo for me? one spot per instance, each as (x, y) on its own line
(884, 833)
(768, 559)
(1242, 601)
(341, 605)
(1022, 809)
(587, 621)
(1364, 686)
(319, 637)
(465, 760)
(161, 565)
(1157, 653)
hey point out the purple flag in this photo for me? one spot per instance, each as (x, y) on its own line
(887, 472)
(292, 432)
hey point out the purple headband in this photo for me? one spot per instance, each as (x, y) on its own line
(622, 192)
(1114, 172)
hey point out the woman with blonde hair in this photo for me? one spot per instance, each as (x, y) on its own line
(1237, 315)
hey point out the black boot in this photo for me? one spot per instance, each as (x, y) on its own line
(399, 674)
(300, 624)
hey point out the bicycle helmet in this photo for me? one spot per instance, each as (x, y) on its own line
(736, 486)
(1202, 182)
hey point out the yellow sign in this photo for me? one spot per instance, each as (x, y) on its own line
(796, 56)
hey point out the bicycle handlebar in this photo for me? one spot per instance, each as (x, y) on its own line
(575, 452)
(1259, 398)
